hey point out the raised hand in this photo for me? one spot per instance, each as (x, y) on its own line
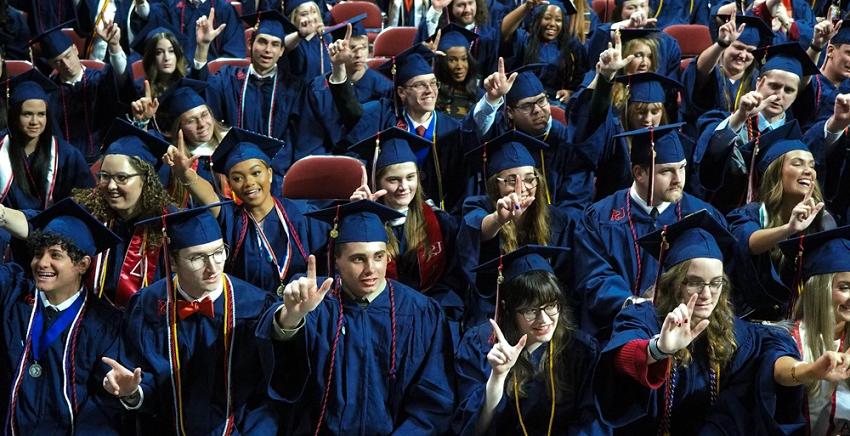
(511, 207)
(678, 330)
(804, 213)
(178, 157)
(498, 84)
(439, 5)
(302, 296)
(309, 25)
(204, 31)
(120, 381)
(840, 113)
(503, 356)
(831, 366)
(339, 51)
(364, 193)
(432, 45)
(639, 20)
(145, 108)
(824, 32)
(611, 60)
(728, 32)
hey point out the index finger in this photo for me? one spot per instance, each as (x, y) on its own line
(437, 38)
(181, 143)
(147, 89)
(618, 40)
(211, 17)
(347, 32)
(808, 195)
(499, 336)
(501, 66)
(311, 267)
(691, 303)
(112, 363)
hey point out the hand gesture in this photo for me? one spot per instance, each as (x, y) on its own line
(611, 60)
(204, 31)
(308, 26)
(503, 355)
(109, 32)
(831, 366)
(433, 44)
(120, 381)
(824, 32)
(497, 85)
(339, 51)
(511, 206)
(678, 331)
(531, 4)
(145, 108)
(804, 212)
(439, 5)
(364, 193)
(178, 157)
(303, 295)
(639, 20)
(753, 102)
(728, 32)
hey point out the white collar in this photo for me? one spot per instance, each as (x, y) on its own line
(642, 204)
(764, 124)
(400, 220)
(204, 149)
(63, 305)
(76, 79)
(416, 124)
(254, 73)
(212, 295)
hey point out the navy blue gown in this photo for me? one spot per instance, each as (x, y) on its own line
(182, 15)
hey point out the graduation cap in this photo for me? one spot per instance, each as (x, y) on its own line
(567, 8)
(389, 147)
(648, 87)
(697, 235)
(69, 220)
(511, 149)
(190, 227)
(819, 253)
(408, 64)
(756, 32)
(271, 23)
(183, 96)
(358, 221)
(522, 260)
(153, 29)
(337, 31)
(126, 139)
(627, 34)
(843, 35)
(453, 35)
(291, 5)
(663, 140)
(31, 85)
(240, 145)
(788, 57)
(53, 41)
(527, 84)
(775, 143)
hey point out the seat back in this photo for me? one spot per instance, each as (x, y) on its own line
(393, 40)
(324, 178)
(692, 38)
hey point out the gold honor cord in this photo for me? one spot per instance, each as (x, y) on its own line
(552, 387)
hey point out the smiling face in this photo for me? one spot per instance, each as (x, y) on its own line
(197, 125)
(251, 181)
(798, 173)
(204, 279)
(401, 182)
(55, 272)
(464, 11)
(522, 178)
(538, 321)
(362, 267)
(33, 118)
(551, 23)
(265, 52)
(123, 199)
(841, 296)
(703, 270)
(737, 58)
(457, 60)
(419, 94)
(632, 6)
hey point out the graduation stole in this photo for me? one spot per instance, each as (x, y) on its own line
(229, 325)
(288, 229)
(137, 269)
(241, 100)
(405, 123)
(670, 392)
(72, 316)
(431, 268)
(636, 287)
(552, 392)
(795, 332)
(7, 177)
(90, 148)
(751, 177)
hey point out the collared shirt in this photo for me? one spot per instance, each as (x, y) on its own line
(213, 295)
(61, 306)
(642, 204)
(400, 220)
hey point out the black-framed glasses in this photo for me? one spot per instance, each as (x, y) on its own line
(198, 261)
(531, 314)
(424, 86)
(530, 181)
(541, 102)
(120, 178)
(696, 286)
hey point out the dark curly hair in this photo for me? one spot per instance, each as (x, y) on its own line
(38, 241)
(154, 199)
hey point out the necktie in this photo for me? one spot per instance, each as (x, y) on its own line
(654, 213)
(187, 308)
(420, 130)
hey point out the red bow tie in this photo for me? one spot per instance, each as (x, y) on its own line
(186, 308)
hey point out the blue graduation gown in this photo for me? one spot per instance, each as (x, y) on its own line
(86, 109)
(41, 406)
(481, 292)
(125, 17)
(71, 172)
(833, 172)
(750, 401)
(816, 102)
(605, 264)
(485, 49)
(575, 411)
(554, 75)
(182, 15)
(201, 343)
(309, 59)
(767, 295)
(253, 264)
(669, 53)
(717, 93)
(363, 399)
(19, 32)
(45, 14)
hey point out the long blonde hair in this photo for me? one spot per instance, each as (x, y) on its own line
(619, 92)
(414, 226)
(578, 21)
(720, 334)
(535, 226)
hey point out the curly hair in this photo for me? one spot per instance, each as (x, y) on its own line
(154, 199)
(719, 337)
(534, 228)
(38, 241)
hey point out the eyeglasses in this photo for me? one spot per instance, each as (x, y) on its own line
(528, 181)
(424, 86)
(198, 261)
(203, 116)
(696, 286)
(530, 315)
(541, 102)
(120, 179)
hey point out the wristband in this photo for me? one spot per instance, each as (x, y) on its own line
(656, 352)
(723, 44)
(816, 48)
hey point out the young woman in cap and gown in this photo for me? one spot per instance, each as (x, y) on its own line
(191, 363)
(359, 337)
(528, 371)
(425, 236)
(184, 16)
(163, 59)
(685, 364)
(268, 235)
(458, 71)
(55, 329)
(306, 51)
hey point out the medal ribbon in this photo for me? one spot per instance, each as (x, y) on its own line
(42, 340)
(282, 267)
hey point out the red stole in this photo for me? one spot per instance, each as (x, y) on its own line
(431, 269)
(138, 269)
